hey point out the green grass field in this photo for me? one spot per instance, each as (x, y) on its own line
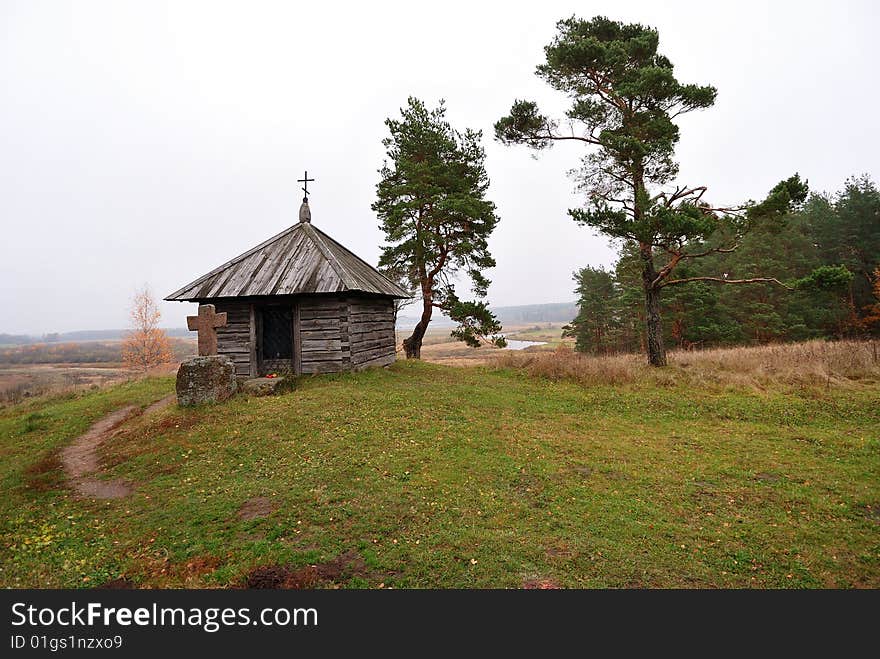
(429, 476)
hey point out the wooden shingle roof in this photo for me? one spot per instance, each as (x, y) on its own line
(301, 259)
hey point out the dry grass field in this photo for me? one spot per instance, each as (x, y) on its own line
(26, 381)
(822, 363)
(18, 382)
(41, 369)
(813, 363)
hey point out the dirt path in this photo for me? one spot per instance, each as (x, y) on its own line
(160, 404)
(80, 459)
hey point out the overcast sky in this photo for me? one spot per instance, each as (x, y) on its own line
(151, 141)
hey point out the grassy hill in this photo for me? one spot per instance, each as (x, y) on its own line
(429, 476)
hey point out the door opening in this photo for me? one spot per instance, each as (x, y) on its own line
(276, 340)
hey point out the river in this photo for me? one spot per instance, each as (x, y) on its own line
(513, 344)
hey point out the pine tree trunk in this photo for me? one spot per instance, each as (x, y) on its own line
(654, 325)
(656, 349)
(412, 346)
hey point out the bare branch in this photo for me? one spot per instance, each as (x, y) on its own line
(608, 198)
(616, 177)
(722, 280)
(714, 250)
(551, 136)
(684, 192)
(667, 269)
(730, 210)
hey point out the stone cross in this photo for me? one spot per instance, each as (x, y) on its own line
(205, 324)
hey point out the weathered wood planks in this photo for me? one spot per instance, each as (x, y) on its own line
(233, 340)
(330, 334)
(371, 332)
(323, 334)
(301, 260)
(252, 337)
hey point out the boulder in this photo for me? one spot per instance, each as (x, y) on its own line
(209, 379)
(262, 386)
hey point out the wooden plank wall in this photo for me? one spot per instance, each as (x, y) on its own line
(334, 334)
(323, 335)
(234, 340)
(371, 328)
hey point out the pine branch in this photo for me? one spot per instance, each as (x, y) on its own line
(721, 280)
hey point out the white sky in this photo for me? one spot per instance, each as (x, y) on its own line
(152, 141)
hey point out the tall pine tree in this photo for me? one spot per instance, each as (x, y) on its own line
(624, 98)
(431, 201)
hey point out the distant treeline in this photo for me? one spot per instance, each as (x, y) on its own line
(559, 312)
(80, 335)
(553, 312)
(841, 229)
(87, 352)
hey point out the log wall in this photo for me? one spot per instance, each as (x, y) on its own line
(323, 345)
(331, 333)
(234, 340)
(371, 329)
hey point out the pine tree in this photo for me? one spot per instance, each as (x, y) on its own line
(848, 234)
(593, 328)
(871, 318)
(436, 219)
(624, 100)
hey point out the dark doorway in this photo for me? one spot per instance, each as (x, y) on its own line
(276, 339)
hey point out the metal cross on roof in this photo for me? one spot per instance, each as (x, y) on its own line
(305, 181)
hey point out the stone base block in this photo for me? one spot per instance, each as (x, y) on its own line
(203, 380)
(263, 386)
